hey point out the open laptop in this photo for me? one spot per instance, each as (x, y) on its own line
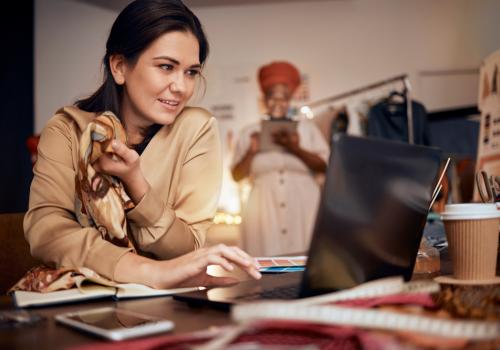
(369, 223)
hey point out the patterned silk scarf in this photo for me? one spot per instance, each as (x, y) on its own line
(101, 199)
(100, 202)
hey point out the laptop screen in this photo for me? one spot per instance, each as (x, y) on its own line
(372, 213)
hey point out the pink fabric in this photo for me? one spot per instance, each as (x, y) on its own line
(273, 333)
(295, 333)
(269, 333)
(158, 342)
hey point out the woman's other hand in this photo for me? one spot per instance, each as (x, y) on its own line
(290, 141)
(254, 142)
(125, 164)
(242, 169)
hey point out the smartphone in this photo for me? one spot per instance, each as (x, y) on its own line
(114, 324)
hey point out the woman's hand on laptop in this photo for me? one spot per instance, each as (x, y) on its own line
(190, 270)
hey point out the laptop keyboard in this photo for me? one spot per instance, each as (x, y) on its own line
(285, 292)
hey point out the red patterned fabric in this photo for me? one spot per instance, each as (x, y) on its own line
(45, 279)
(291, 333)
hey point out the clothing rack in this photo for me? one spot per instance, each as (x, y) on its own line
(402, 78)
(441, 72)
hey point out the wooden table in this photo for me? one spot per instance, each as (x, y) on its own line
(48, 334)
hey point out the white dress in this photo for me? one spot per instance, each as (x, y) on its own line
(281, 209)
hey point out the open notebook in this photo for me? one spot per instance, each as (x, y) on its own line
(88, 287)
(88, 292)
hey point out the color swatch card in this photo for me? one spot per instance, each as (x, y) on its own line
(282, 264)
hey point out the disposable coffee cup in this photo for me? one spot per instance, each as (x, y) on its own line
(472, 231)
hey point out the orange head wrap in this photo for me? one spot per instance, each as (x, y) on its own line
(279, 73)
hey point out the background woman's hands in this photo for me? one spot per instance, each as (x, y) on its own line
(190, 270)
(125, 164)
(289, 140)
(254, 142)
(242, 169)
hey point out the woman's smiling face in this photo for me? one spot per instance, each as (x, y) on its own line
(277, 100)
(157, 87)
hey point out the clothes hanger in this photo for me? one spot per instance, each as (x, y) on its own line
(396, 97)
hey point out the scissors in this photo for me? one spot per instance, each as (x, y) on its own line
(491, 184)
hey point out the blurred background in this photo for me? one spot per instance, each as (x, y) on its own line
(52, 51)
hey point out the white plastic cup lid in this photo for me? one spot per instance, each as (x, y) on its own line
(470, 211)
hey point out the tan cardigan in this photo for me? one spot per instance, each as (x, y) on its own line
(183, 165)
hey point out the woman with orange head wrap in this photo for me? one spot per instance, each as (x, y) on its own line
(279, 215)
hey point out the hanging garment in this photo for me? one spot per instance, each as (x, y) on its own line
(389, 121)
(340, 123)
(488, 154)
(358, 108)
(333, 120)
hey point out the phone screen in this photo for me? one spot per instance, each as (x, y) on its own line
(111, 319)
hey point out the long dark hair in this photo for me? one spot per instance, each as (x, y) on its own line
(135, 28)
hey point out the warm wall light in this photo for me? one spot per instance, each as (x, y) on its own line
(307, 111)
(227, 219)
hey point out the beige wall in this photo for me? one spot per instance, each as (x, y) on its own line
(70, 38)
(339, 45)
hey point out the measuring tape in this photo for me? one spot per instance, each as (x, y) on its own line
(316, 309)
(372, 289)
(365, 318)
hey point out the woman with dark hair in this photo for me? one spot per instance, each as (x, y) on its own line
(127, 180)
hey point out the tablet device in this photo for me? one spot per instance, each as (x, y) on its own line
(269, 127)
(114, 324)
